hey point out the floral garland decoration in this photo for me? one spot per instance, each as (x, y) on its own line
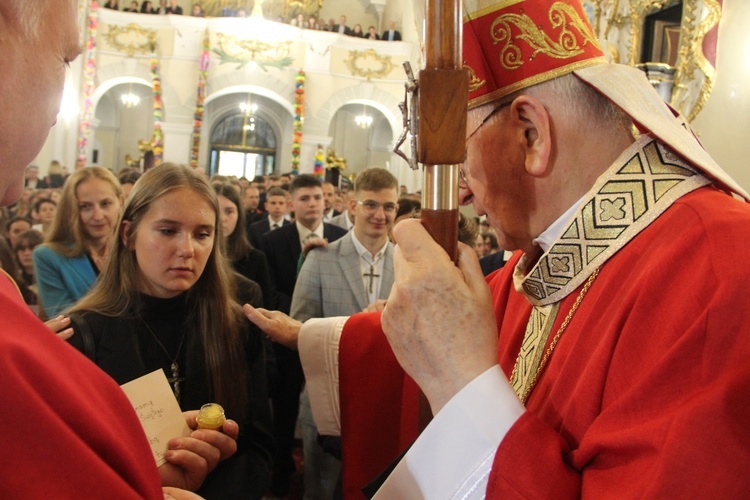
(299, 118)
(319, 169)
(89, 84)
(158, 138)
(200, 100)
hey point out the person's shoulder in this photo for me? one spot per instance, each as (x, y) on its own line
(280, 234)
(334, 231)
(248, 291)
(258, 224)
(46, 252)
(255, 255)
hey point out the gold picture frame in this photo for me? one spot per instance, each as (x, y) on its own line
(619, 25)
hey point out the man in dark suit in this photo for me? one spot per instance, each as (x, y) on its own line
(391, 35)
(173, 8)
(250, 202)
(32, 179)
(283, 247)
(341, 27)
(277, 208)
(329, 197)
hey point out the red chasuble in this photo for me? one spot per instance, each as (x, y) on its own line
(647, 393)
(68, 430)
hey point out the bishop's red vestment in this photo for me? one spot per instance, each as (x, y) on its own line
(647, 393)
(69, 431)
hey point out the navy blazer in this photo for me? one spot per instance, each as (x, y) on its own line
(282, 249)
(256, 230)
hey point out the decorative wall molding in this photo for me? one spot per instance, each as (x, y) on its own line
(131, 39)
(231, 49)
(369, 64)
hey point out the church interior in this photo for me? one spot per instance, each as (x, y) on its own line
(257, 94)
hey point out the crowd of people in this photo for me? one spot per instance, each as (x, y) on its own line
(100, 259)
(605, 359)
(300, 20)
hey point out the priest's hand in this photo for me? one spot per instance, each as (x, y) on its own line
(311, 243)
(439, 318)
(60, 326)
(278, 326)
(190, 459)
(376, 306)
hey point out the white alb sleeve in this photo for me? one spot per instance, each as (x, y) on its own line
(318, 345)
(453, 456)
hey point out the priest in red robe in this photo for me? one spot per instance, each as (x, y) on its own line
(609, 356)
(68, 429)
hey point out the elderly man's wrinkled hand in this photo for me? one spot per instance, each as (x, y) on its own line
(278, 326)
(439, 318)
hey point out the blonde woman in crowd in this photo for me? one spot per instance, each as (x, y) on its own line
(77, 246)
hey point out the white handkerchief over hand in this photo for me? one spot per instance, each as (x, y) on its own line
(158, 411)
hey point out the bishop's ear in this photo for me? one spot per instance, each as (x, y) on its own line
(533, 120)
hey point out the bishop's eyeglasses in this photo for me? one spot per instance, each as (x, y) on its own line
(462, 181)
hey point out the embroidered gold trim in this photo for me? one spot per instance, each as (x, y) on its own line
(538, 330)
(561, 16)
(640, 185)
(492, 7)
(474, 81)
(534, 80)
(525, 391)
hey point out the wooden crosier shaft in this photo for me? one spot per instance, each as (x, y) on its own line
(443, 98)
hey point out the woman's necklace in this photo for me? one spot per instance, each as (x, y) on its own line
(175, 379)
(99, 257)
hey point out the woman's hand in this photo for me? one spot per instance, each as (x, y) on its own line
(190, 459)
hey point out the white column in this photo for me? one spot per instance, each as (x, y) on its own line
(178, 140)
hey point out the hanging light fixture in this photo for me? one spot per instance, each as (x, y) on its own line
(364, 120)
(248, 108)
(130, 99)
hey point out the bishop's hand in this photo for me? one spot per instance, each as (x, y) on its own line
(439, 318)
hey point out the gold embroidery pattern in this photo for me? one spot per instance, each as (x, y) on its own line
(562, 17)
(474, 81)
(537, 332)
(625, 200)
(523, 385)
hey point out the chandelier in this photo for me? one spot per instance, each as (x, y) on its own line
(248, 108)
(364, 120)
(130, 99)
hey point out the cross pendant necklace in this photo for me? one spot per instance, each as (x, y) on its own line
(175, 380)
(372, 276)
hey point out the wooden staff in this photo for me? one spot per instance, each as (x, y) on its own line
(443, 99)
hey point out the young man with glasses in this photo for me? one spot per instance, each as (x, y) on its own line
(341, 279)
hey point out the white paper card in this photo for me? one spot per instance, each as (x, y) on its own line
(158, 411)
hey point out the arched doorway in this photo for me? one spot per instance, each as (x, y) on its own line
(243, 144)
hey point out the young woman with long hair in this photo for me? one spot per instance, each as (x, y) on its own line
(166, 301)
